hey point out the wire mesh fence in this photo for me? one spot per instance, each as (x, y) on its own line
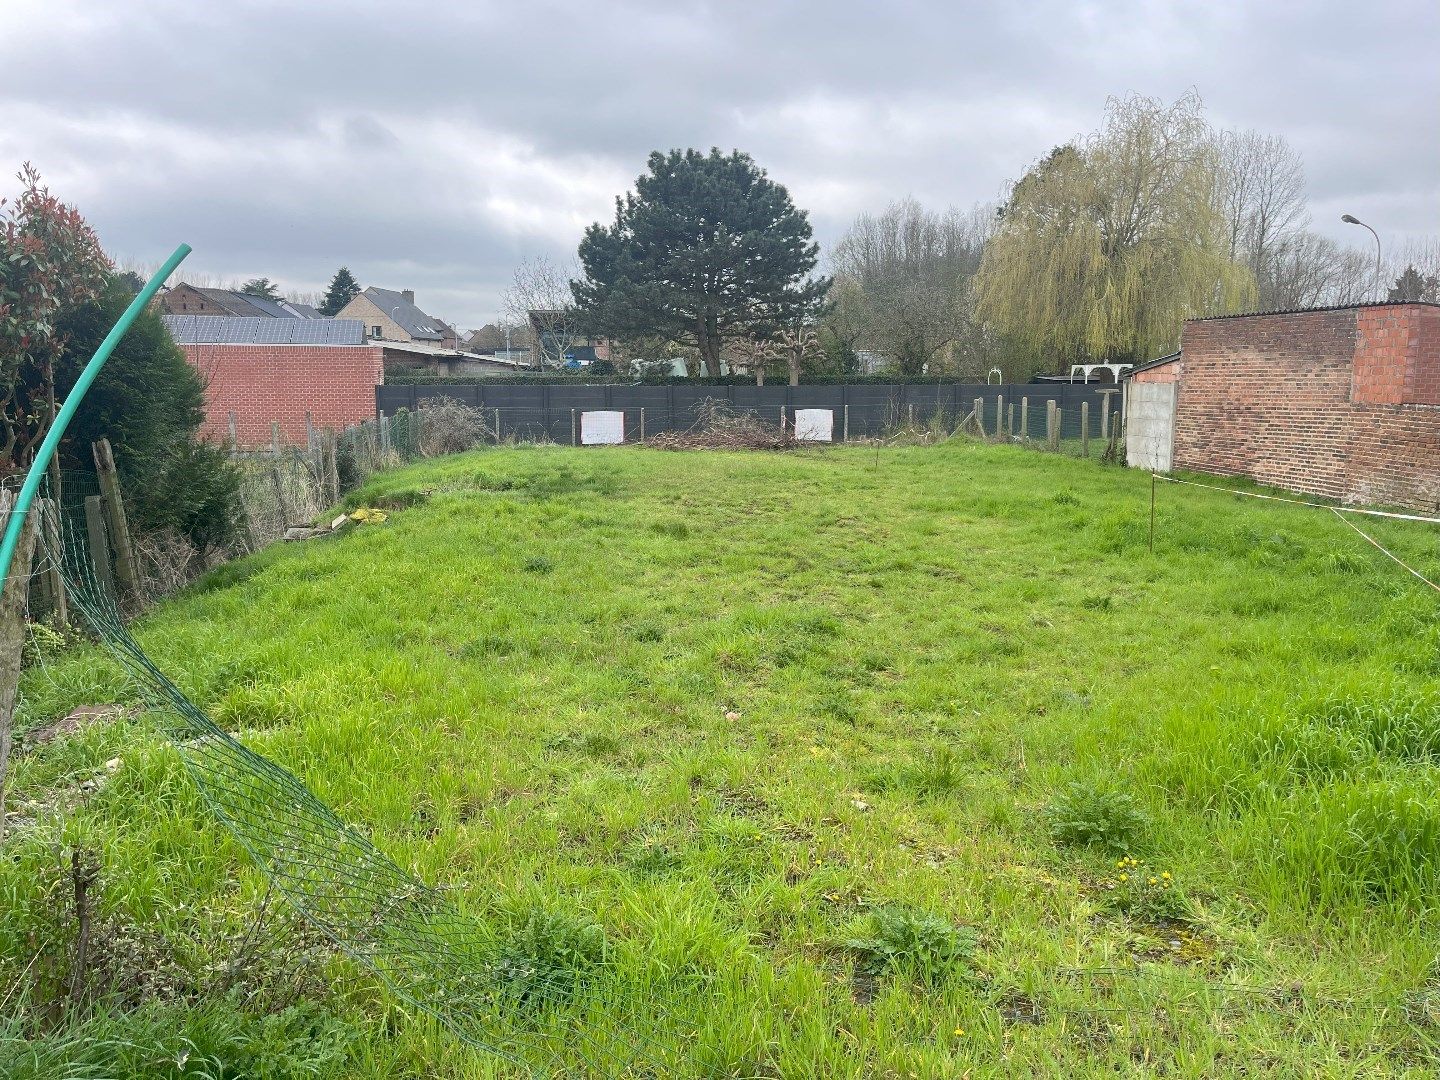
(438, 958)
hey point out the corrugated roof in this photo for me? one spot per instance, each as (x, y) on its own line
(414, 321)
(260, 330)
(1302, 311)
(1150, 364)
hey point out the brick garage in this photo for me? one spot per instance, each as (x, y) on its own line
(332, 378)
(1342, 403)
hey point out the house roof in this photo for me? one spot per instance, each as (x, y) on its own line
(304, 311)
(263, 330)
(404, 312)
(243, 304)
(1302, 311)
(1159, 362)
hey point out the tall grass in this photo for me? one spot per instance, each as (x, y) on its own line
(694, 720)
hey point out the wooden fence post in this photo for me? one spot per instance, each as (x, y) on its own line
(12, 636)
(99, 543)
(125, 567)
(332, 463)
(50, 530)
(279, 483)
(1084, 429)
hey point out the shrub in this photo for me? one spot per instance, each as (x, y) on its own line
(1085, 815)
(194, 490)
(917, 944)
(449, 427)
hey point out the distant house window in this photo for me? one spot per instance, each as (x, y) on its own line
(375, 332)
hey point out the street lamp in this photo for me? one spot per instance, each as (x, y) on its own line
(1351, 219)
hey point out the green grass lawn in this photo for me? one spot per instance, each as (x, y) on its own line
(853, 745)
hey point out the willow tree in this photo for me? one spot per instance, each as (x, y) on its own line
(1108, 244)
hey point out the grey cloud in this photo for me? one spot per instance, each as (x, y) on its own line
(435, 145)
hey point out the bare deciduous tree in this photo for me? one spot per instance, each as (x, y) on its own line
(540, 298)
(1310, 270)
(902, 281)
(1260, 191)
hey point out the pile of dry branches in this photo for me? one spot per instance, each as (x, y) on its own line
(719, 427)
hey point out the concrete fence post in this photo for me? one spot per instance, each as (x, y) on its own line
(234, 433)
(99, 543)
(1025, 418)
(114, 505)
(1085, 429)
(1052, 417)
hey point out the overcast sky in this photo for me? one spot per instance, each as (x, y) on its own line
(433, 145)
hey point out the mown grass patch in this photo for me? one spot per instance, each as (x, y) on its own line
(707, 724)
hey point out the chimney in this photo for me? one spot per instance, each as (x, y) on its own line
(409, 295)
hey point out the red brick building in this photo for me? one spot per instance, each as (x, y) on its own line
(1342, 402)
(277, 370)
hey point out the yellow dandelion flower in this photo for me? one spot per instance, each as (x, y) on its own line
(1153, 880)
(1124, 877)
(959, 1031)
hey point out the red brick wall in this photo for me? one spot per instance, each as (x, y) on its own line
(1165, 373)
(1317, 402)
(263, 383)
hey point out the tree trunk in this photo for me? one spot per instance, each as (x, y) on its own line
(759, 374)
(13, 600)
(794, 362)
(710, 355)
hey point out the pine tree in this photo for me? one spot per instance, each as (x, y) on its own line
(343, 288)
(706, 250)
(262, 287)
(1414, 286)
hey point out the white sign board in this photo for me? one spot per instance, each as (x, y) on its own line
(603, 428)
(815, 425)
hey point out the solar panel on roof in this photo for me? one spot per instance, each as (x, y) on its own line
(233, 330)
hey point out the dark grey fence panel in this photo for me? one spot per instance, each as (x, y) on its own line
(862, 409)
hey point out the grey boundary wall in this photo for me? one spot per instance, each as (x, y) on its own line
(549, 411)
